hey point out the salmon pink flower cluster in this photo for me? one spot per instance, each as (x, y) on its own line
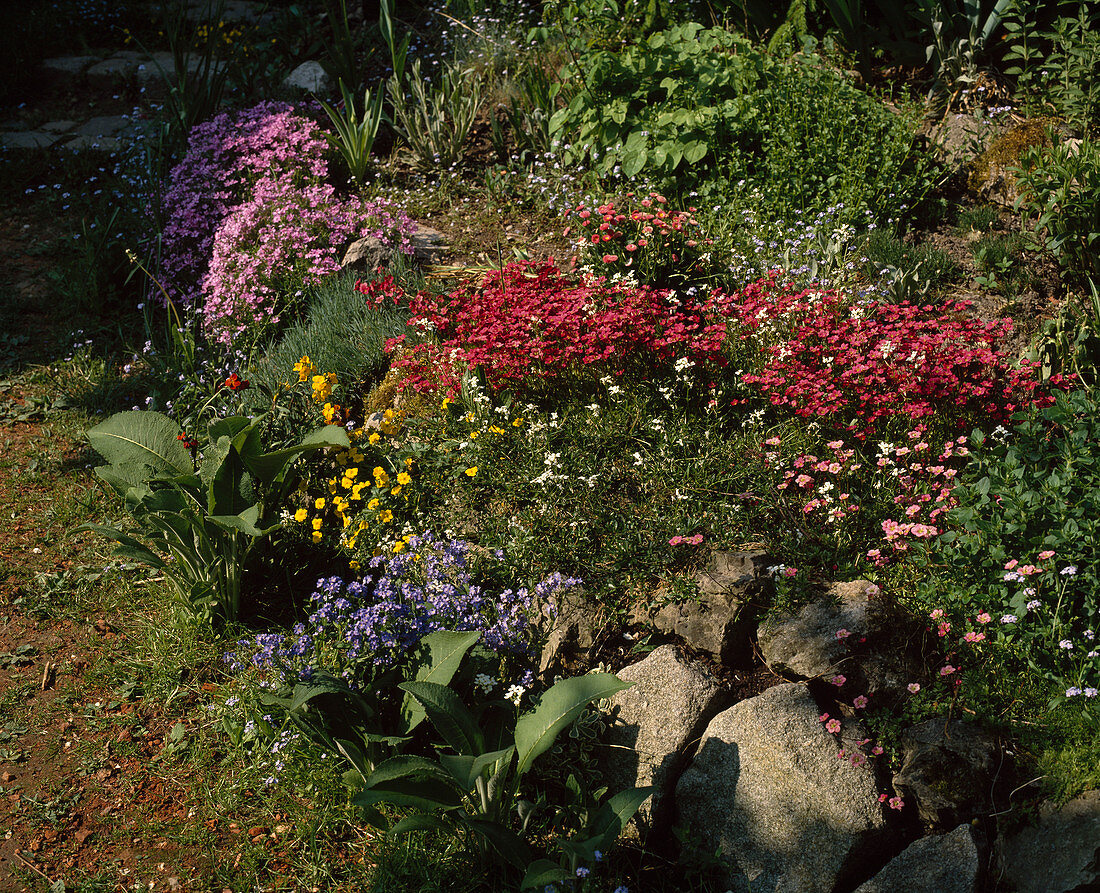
(637, 232)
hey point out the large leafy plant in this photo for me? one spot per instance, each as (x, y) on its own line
(204, 509)
(473, 783)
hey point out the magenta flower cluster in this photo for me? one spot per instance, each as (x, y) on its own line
(248, 211)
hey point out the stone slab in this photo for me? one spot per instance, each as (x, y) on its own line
(27, 139)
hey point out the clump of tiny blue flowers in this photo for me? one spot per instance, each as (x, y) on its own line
(359, 627)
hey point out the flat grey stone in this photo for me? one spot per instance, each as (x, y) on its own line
(1059, 854)
(942, 863)
(27, 139)
(655, 722)
(97, 143)
(310, 77)
(72, 65)
(59, 126)
(768, 794)
(720, 620)
(119, 64)
(428, 245)
(948, 770)
(104, 125)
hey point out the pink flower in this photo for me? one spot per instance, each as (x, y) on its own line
(790, 572)
(1045, 554)
(947, 670)
(877, 750)
(974, 637)
(823, 718)
(936, 614)
(676, 540)
(1011, 565)
(984, 617)
(610, 258)
(838, 680)
(832, 726)
(842, 634)
(896, 803)
(860, 702)
(913, 687)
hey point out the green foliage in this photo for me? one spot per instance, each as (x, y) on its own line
(342, 49)
(608, 23)
(1060, 202)
(1069, 344)
(1055, 62)
(705, 109)
(435, 121)
(206, 521)
(196, 84)
(354, 137)
(1026, 542)
(960, 32)
(1001, 263)
(674, 100)
(885, 250)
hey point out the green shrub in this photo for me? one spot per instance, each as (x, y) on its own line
(1060, 201)
(705, 109)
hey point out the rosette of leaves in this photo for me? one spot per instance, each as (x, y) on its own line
(203, 505)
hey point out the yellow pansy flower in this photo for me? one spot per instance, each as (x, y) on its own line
(319, 503)
(301, 515)
(471, 472)
(404, 478)
(316, 523)
(385, 516)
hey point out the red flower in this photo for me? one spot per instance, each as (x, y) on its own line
(235, 383)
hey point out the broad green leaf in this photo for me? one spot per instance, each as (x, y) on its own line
(405, 766)
(542, 873)
(421, 794)
(695, 151)
(449, 716)
(128, 547)
(634, 153)
(419, 822)
(560, 706)
(509, 844)
(612, 817)
(445, 652)
(149, 439)
(465, 769)
(229, 427)
(230, 491)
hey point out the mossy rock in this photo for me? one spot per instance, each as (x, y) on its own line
(991, 173)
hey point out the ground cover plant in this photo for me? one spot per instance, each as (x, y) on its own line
(349, 506)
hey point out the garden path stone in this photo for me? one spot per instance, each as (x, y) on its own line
(310, 77)
(121, 63)
(59, 126)
(655, 723)
(940, 863)
(104, 125)
(720, 621)
(97, 143)
(69, 65)
(948, 769)
(1059, 854)
(28, 139)
(767, 792)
